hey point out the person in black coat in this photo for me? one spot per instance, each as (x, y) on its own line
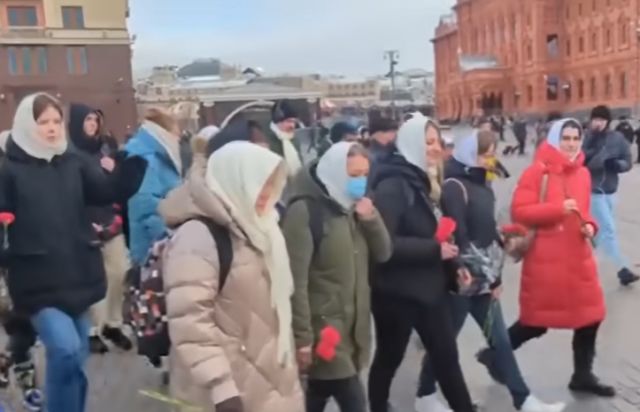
(53, 254)
(85, 132)
(410, 291)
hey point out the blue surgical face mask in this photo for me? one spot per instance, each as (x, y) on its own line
(357, 187)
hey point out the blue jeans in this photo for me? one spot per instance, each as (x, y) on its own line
(505, 360)
(602, 207)
(66, 342)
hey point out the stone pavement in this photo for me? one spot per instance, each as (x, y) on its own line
(116, 378)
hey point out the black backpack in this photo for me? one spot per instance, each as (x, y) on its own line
(145, 307)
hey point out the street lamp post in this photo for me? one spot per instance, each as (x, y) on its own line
(392, 56)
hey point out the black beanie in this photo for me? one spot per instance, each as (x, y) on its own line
(340, 130)
(601, 112)
(283, 110)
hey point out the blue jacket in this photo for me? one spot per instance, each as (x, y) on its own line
(607, 154)
(145, 224)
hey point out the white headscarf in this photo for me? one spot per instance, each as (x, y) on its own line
(411, 141)
(237, 173)
(332, 172)
(291, 155)
(4, 137)
(555, 134)
(25, 132)
(466, 151)
(208, 132)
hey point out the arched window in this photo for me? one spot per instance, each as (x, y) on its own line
(529, 95)
(623, 85)
(607, 85)
(593, 89)
(580, 89)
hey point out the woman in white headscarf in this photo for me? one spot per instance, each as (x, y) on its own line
(333, 231)
(410, 291)
(52, 252)
(232, 346)
(560, 290)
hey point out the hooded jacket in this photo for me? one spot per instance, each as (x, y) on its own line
(163, 174)
(332, 282)
(94, 149)
(224, 343)
(402, 194)
(560, 287)
(469, 200)
(53, 254)
(607, 155)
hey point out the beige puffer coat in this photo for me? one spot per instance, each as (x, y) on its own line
(222, 345)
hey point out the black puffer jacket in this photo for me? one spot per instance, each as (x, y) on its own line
(53, 254)
(416, 270)
(94, 149)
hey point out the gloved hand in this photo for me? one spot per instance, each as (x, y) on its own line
(230, 405)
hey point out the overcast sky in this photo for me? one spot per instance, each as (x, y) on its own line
(326, 36)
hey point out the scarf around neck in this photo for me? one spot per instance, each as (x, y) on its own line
(169, 143)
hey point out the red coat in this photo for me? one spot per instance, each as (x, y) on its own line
(560, 287)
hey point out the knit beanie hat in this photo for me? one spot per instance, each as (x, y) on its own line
(283, 110)
(340, 130)
(601, 112)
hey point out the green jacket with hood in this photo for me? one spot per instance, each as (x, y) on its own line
(332, 282)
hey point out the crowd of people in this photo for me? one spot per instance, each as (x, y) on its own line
(394, 224)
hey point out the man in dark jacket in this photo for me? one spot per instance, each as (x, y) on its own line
(520, 132)
(85, 126)
(383, 134)
(607, 154)
(625, 128)
(281, 133)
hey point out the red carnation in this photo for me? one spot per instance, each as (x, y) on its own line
(330, 335)
(325, 352)
(446, 229)
(117, 220)
(329, 339)
(513, 229)
(7, 218)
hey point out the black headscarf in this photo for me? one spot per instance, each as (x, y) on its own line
(77, 115)
(240, 131)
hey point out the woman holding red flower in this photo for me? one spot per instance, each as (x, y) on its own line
(560, 290)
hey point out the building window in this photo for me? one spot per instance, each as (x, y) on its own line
(607, 86)
(529, 52)
(594, 41)
(530, 95)
(72, 17)
(581, 45)
(568, 12)
(568, 47)
(623, 85)
(593, 88)
(26, 16)
(580, 89)
(580, 9)
(27, 61)
(607, 38)
(77, 60)
(624, 33)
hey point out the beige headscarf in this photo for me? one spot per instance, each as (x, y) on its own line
(237, 173)
(412, 146)
(25, 132)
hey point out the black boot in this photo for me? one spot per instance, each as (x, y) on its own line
(583, 379)
(627, 277)
(97, 346)
(118, 338)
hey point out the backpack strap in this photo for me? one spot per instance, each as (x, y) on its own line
(316, 219)
(462, 187)
(225, 248)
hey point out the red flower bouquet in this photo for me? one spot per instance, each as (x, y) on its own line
(329, 339)
(446, 229)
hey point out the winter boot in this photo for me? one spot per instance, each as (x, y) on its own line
(32, 398)
(97, 346)
(118, 338)
(583, 379)
(627, 277)
(533, 404)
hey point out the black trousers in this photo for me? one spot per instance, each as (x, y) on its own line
(395, 318)
(584, 343)
(522, 145)
(22, 337)
(348, 393)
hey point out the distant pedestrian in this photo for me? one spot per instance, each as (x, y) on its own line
(281, 135)
(520, 132)
(625, 128)
(607, 156)
(383, 135)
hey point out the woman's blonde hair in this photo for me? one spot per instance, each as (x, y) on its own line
(162, 118)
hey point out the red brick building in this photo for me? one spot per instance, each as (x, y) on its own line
(78, 51)
(530, 57)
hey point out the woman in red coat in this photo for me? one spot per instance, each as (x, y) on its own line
(560, 285)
